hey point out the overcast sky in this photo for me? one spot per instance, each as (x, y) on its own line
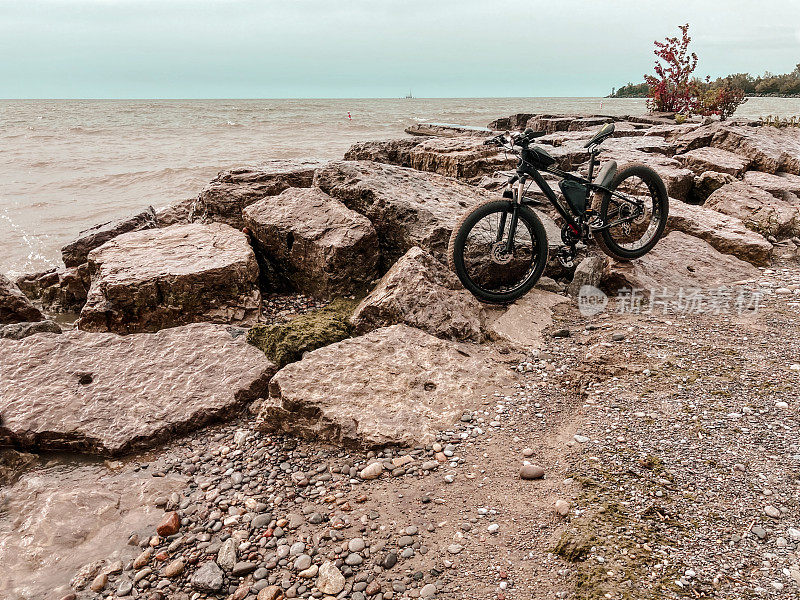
(372, 48)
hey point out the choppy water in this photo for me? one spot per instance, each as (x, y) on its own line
(68, 164)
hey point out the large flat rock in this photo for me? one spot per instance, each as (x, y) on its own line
(229, 193)
(770, 149)
(422, 292)
(15, 307)
(320, 246)
(461, 157)
(725, 233)
(156, 278)
(407, 207)
(701, 160)
(106, 394)
(759, 210)
(781, 185)
(394, 385)
(678, 262)
(76, 253)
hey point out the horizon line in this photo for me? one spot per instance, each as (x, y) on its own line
(315, 98)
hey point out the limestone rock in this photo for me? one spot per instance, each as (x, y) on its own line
(696, 138)
(422, 292)
(679, 261)
(725, 233)
(13, 464)
(148, 280)
(708, 183)
(15, 307)
(17, 331)
(58, 291)
(588, 272)
(515, 121)
(522, 324)
(394, 385)
(447, 130)
(179, 212)
(678, 179)
(320, 246)
(106, 394)
(76, 253)
(759, 210)
(780, 185)
(769, 148)
(714, 159)
(230, 192)
(460, 157)
(407, 207)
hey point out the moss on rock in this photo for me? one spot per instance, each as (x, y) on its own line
(287, 342)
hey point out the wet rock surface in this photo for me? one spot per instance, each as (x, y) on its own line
(76, 253)
(421, 292)
(321, 247)
(106, 394)
(15, 307)
(148, 280)
(58, 291)
(395, 385)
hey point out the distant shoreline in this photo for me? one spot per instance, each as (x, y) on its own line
(746, 96)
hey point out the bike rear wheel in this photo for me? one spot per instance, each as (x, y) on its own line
(636, 232)
(478, 252)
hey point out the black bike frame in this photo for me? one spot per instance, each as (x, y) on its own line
(526, 169)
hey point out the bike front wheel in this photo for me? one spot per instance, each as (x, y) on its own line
(478, 251)
(634, 231)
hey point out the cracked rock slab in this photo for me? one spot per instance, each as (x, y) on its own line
(106, 394)
(394, 385)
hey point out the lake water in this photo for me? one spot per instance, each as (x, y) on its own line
(66, 165)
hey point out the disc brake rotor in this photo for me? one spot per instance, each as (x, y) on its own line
(499, 254)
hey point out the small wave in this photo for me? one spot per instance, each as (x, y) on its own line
(34, 255)
(85, 130)
(233, 124)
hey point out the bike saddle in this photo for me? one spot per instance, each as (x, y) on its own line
(530, 134)
(598, 138)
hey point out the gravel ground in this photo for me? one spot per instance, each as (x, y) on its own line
(670, 463)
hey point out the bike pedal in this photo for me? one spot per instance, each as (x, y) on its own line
(567, 263)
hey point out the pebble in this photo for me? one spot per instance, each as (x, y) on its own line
(169, 525)
(531, 472)
(562, 507)
(455, 548)
(773, 512)
(373, 471)
(272, 592)
(581, 439)
(174, 568)
(208, 578)
(330, 579)
(428, 591)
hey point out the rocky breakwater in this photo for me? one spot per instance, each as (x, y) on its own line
(147, 280)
